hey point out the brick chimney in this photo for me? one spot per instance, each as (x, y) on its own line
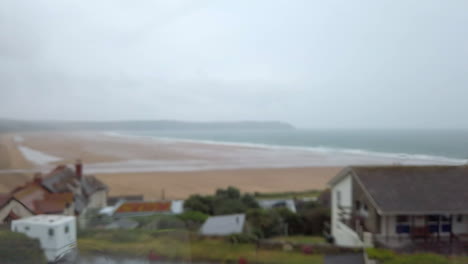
(79, 169)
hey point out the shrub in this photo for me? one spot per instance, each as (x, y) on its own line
(18, 248)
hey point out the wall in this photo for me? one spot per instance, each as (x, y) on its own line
(371, 219)
(343, 235)
(16, 207)
(460, 227)
(98, 199)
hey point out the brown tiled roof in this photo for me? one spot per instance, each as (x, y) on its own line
(416, 189)
(49, 206)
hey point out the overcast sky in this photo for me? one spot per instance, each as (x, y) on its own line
(316, 64)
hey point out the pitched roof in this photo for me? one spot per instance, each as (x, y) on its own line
(59, 179)
(29, 193)
(91, 184)
(416, 189)
(4, 198)
(223, 225)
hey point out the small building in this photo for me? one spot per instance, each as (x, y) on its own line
(400, 206)
(56, 234)
(224, 225)
(278, 203)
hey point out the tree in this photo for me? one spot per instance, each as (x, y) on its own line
(203, 204)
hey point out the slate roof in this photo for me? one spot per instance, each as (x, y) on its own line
(416, 189)
(223, 225)
(58, 179)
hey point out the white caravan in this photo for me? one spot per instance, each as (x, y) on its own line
(56, 233)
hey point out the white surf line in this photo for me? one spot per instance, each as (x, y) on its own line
(37, 157)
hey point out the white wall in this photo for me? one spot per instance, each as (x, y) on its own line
(343, 235)
(460, 227)
(16, 207)
(98, 199)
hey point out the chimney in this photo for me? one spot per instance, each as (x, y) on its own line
(38, 178)
(79, 169)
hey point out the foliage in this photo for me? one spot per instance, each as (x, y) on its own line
(199, 203)
(265, 223)
(194, 216)
(314, 220)
(18, 248)
(225, 201)
(288, 195)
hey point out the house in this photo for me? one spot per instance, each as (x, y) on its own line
(56, 234)
(278, 203)
(223, 225)
(12, 209)
(40, 201)
(399, 206)
(87, 190)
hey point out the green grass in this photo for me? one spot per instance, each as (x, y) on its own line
(301, 239)
(186, 247)
(385, 256)
(288, 195)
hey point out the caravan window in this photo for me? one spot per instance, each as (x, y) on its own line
(66, 229)
(51, 232)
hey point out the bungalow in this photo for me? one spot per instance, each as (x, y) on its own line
(399, 206)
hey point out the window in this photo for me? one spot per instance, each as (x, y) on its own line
(26, 228)
(358, 205)
(402, 219)
(459, 218)
(338, 197)
(364, 206)
(51, 232)
(433, 218)
(67, 229)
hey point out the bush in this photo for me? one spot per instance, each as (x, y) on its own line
(193, 216)
(18, 248)
(225, 201)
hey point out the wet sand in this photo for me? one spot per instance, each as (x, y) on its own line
(102, 150)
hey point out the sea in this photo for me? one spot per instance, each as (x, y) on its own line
(433, 146)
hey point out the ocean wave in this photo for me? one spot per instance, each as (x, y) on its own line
(324, 150)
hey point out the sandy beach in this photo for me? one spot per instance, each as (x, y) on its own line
(145, 166)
